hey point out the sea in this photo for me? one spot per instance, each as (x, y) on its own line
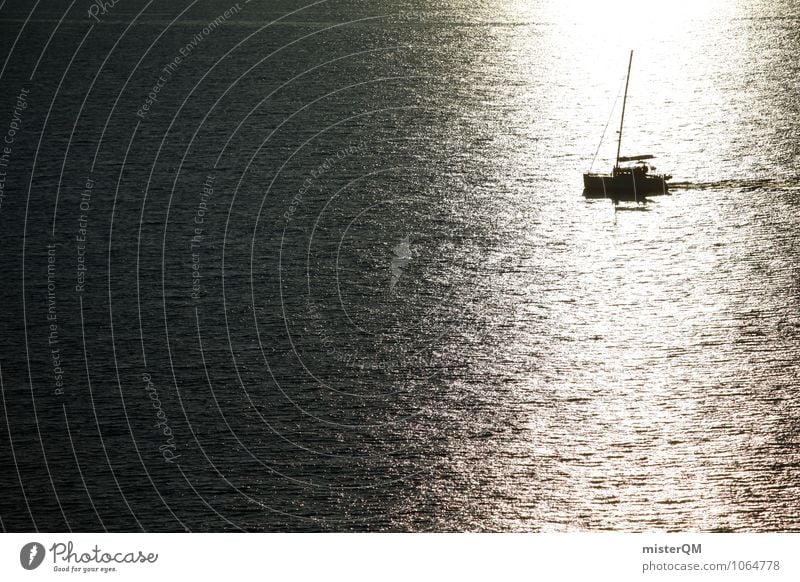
(326, 266)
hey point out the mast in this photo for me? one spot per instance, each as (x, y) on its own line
(625, 99)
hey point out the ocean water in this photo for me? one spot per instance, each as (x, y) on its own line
(275, 266)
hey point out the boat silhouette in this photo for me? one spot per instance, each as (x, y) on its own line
(632, 181)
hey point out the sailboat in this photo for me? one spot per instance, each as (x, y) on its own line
(632, 181)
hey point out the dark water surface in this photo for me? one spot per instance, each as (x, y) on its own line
(339, 275)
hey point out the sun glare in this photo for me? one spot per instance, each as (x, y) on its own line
(632, 20)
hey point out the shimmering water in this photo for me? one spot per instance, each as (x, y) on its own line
(339, 274)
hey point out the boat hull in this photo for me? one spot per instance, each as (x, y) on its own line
(624, 187)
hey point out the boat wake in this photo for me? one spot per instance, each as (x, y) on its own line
(742, 185)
